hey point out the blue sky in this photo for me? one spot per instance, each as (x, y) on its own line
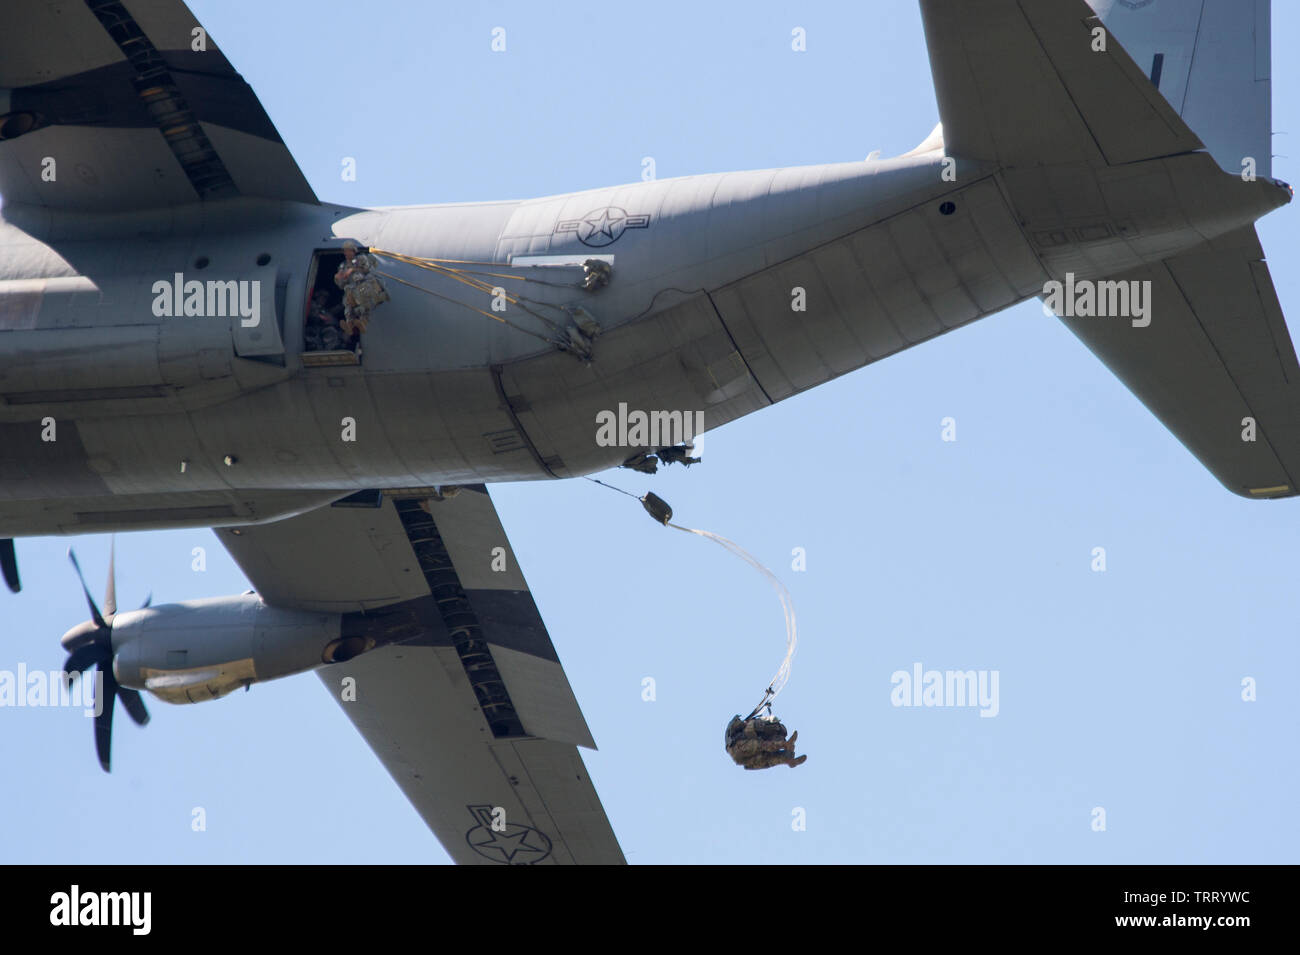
(1118, 690)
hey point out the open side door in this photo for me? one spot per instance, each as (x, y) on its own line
(324, 343)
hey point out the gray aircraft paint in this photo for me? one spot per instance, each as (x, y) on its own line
(202, 649)
(1203, 48)
(426, 398)
(702, 292)
(1070, 164)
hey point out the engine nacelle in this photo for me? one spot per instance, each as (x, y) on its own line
(202, 649)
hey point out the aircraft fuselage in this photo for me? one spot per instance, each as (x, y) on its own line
(127, 403)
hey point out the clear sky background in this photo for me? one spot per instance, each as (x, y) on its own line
(1119, 689)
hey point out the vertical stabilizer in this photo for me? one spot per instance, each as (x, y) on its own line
(1210, 59)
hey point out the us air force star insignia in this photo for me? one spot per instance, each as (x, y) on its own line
(1136, 4)
(604, 226)
(514, 845)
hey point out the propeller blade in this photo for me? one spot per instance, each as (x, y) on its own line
(90, 601)
(148, 601)
(9, 564)
(80, 660)
(104, 718)
(110, 589)
(134, 705)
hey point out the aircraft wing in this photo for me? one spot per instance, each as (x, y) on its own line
(1018, 81)
(1217, 352)
(112, 105)
(470, 710)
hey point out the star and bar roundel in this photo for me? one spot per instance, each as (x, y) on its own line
(507, 843)
(603, 226)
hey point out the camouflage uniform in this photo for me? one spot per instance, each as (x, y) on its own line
(759, 744)
(362, 291)
(768, 760)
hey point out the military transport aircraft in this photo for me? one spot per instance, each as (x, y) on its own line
(184, 379)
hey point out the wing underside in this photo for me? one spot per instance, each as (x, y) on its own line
(113, 105)
(466, 705)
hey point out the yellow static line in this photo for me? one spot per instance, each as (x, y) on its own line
(445, 298)
(401, 255)
(495, 318)
(431, 265)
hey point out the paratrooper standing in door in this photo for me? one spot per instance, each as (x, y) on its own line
(362, 290)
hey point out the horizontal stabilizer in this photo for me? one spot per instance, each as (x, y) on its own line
(1216, 363)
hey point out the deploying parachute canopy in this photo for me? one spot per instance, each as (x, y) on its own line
(756, 742)
(782, 675)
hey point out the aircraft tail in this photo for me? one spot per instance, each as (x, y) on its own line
(1211, 60)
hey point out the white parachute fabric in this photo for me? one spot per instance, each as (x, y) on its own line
(787, 607)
